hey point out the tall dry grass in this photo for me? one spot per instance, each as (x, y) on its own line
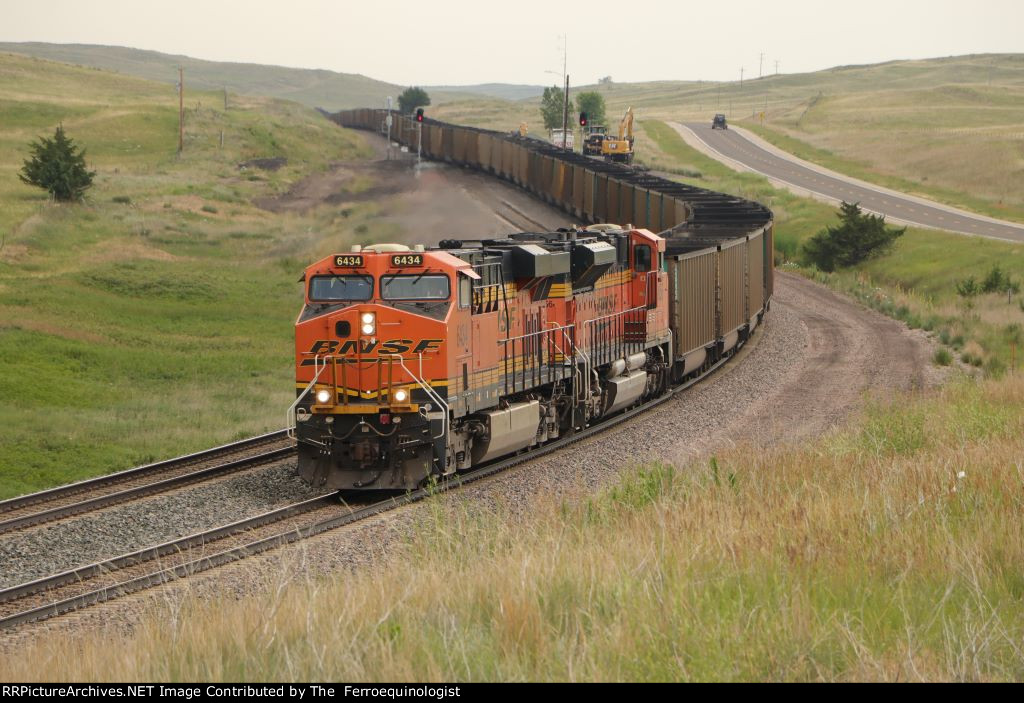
(893, 550)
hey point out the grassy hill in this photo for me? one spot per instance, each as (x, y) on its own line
(156, 317)
(315, 88)
(950, 129)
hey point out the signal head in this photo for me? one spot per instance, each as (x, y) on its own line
(419, 114)
(583, 119)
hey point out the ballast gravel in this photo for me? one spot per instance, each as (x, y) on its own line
(86, 539)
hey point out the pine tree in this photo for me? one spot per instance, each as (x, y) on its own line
(859, 236)
(58, 167)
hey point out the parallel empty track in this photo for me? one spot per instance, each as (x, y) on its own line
(112, 489)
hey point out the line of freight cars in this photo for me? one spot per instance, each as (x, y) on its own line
(720, 248)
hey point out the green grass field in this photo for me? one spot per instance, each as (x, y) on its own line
(156, 318)
(889, 551)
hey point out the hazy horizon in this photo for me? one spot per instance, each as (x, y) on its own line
(446, 44)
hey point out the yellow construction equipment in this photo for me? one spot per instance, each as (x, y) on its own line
(620, 149)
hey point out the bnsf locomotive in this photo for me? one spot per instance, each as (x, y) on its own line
(418, 363)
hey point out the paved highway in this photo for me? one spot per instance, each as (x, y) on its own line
(744, 151)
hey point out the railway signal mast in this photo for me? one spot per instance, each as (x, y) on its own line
(419, 135)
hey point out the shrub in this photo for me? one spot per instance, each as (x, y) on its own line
(944, 336)
(995, 367)
(967, 288)
(209, 208)
(942, 357)
(122, 199)
(412, 98)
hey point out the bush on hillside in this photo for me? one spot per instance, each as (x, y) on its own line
(412, 98)
(58, 167)
(857, 238)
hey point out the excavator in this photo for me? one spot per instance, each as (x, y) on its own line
(620, 149)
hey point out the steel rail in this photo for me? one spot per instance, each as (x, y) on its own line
(87, 484)
(108, 499)
(172, 547)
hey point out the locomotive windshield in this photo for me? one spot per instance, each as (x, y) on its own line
(339, 288)
(415, 287)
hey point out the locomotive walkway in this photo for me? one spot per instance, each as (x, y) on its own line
(743, 151)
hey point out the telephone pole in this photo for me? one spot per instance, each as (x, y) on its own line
(760, 66)
(776, 67)
(565, 115)
(181, 110)
(741, 77)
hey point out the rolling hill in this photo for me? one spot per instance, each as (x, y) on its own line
(315, 88)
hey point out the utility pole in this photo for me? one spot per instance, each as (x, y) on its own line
(776, 67)
(225, 98)
(181, 110)
(760, 66)
(741, 77)
(565, 115)
(387, 121)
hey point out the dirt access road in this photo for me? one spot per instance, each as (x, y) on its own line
(425, 203)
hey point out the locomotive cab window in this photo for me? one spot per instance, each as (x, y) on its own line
(352, 287)
(416, 286)
(465, 291)
(642, 258)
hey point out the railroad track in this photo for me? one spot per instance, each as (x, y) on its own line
(130, 573)
(112, 489)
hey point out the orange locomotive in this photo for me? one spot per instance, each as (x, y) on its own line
(414, 364)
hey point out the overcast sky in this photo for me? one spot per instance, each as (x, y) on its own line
(459, 42)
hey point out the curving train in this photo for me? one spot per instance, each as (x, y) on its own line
(416, 363)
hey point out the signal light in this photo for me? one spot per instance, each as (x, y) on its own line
(419, 114)
(583, 119)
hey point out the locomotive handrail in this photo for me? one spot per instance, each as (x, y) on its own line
(426, 388)
(290, 418)
(541, 334)
(612, 345)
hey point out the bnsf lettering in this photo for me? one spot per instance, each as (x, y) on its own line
(323, 346)
(392, 346)
(427, 345)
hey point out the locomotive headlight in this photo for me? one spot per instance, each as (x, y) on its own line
(323, 396)
(369, 321)
(401, 395)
